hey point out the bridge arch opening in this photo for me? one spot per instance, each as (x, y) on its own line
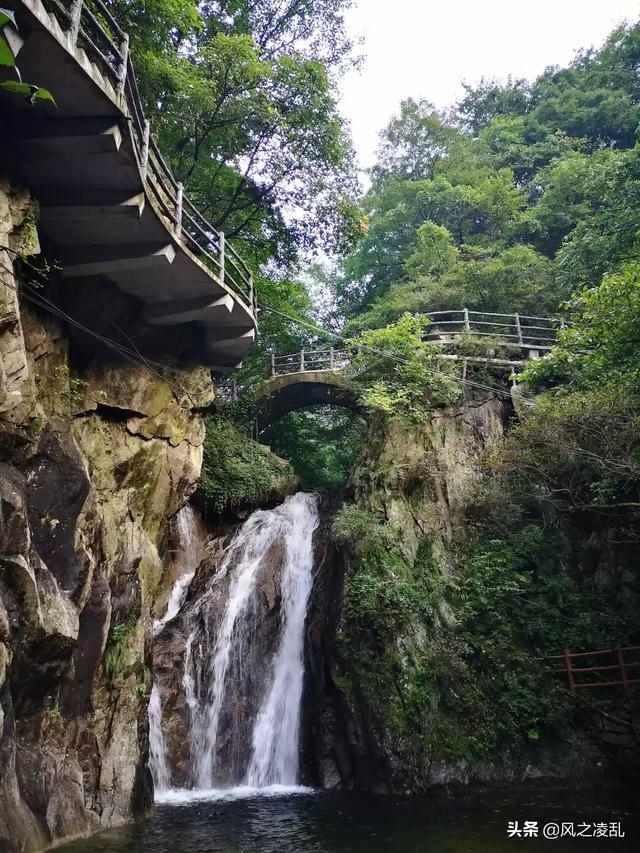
(284, 394)
(321, 442)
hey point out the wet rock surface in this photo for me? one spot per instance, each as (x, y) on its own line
(93, 465)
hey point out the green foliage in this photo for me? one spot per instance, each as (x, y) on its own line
(243, 98)
(451, 661)
(527, 197)
(237, 470)
(601, 345)
(367, 532)
(117, 654)
(29, 91)
(398, 375)
(580, 443)
(286, 297)
(434, 252)
(414, 143)
(321, 444)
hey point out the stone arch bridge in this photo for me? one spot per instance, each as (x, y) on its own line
(321, 377)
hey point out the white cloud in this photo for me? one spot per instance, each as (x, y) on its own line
(425, 49)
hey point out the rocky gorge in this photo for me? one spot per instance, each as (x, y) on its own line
(98, 538)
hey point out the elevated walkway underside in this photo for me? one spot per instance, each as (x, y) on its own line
(100, 216)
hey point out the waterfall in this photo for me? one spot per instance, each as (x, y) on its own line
(191, 538)
(226, 677)
(275, 736)
(157, 752)
(176, 600)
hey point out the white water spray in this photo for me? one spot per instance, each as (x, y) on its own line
(277, 727)
(274, 758)
(176, 600)
(190, 550)
(157, 751)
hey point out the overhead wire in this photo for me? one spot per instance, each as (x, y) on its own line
(133, 356)
(385, 353)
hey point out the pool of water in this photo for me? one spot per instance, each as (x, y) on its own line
(302, 821)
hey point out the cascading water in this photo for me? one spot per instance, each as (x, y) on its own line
(275, 736)
(176, 600)
(157, 751)
(191, 538)
(235, 697)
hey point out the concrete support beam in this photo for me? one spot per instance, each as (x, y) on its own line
(80, 204)
(187, 310)
(224, 369)
(109, 258)
(225, 344)
(62, 142)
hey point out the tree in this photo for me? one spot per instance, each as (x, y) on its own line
(489, 99)
(243, 98)
(602, 345)
(413, 143)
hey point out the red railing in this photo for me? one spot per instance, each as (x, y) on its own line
(615, 664)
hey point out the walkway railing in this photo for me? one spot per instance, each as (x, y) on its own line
(91, 26)
(532, 334)
(615, 670)
(519, 330)
(307, 360)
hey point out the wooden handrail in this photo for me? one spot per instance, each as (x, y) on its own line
(92, 24)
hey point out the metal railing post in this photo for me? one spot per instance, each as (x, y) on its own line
(255, 304)
(331, 356)
(519, 329)
(623, 670)
(467, 325)
(144, 157)
(273, 365)
(75, 15)
(302, 361)
(222, 254)
(251, 292)
(570, 675)
(124, 57)
(177, 221)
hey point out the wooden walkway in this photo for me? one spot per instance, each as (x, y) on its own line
(109, 203)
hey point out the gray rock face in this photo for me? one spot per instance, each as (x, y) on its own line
(92, 466)
(246, 681)
(419, 483)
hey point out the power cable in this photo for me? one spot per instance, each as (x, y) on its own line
(386, 354)
(134, 357)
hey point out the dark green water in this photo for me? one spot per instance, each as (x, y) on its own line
(350, 823)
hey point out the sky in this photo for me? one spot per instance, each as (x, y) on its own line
(425, 49)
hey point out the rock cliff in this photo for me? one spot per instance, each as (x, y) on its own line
(94, 459)
(420, 670)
